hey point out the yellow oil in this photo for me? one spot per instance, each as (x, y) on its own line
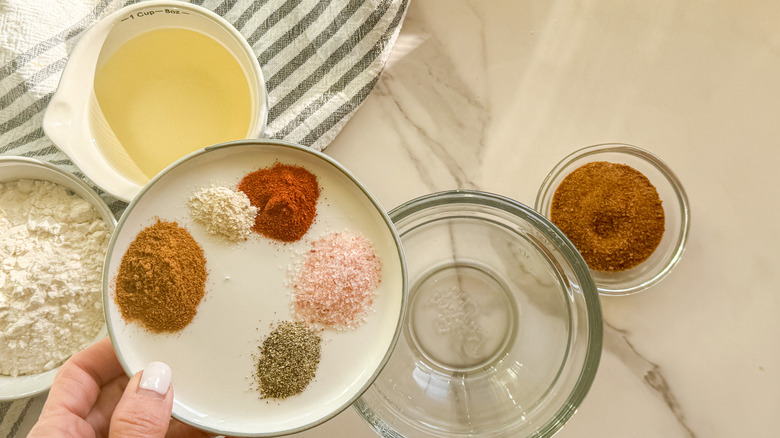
(169, 92)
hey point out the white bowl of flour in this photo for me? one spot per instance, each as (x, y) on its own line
(54, 230)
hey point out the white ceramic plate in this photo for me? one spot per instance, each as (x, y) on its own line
(213, 359)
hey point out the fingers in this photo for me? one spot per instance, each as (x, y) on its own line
(75, 391)
(99, 361)
(77, 384)
(110, 394)
(145, 408)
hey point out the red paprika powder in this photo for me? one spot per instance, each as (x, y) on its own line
(286, 200)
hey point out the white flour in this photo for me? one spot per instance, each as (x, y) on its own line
(52, 247)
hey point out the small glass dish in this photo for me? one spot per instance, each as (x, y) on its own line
(503, 330)
(673, 198)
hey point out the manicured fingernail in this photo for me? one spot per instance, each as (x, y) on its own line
(156, 377)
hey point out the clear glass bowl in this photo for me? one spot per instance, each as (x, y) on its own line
(674, 201)
(503, 330)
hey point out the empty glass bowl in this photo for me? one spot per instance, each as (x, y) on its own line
(503, 331)
(673, 198)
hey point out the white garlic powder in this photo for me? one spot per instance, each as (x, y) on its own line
(223, 212)
(52, 247)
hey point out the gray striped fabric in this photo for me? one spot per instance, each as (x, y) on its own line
(320, 58)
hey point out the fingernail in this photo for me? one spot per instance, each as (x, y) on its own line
(156, 377)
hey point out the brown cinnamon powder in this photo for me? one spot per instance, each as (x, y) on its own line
(611, 212)
(162, 278)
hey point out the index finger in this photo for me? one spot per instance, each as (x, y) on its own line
(77, 385)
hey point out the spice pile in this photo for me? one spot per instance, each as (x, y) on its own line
(288, 360)
(335, 286)
(162, 276)
(224, 212)
(286, 199)
(52, 247)
(612, 214)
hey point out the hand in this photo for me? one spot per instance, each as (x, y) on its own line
(93, 397)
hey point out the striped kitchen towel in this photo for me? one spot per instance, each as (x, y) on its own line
(320, 59)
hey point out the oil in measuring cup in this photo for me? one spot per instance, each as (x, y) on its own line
(165, 93)
(150, 83)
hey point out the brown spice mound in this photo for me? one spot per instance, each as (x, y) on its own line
(286, 200)
(162, 278)
(611, 212)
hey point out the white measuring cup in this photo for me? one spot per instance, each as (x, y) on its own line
(74, 121)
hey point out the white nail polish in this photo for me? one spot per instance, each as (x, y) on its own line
(156, 377)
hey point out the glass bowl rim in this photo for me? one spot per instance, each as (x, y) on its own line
(592, 357)
(646, 156)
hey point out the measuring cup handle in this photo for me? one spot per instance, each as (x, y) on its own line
(64, 116)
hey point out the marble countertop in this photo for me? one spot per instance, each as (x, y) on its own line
(490, 95)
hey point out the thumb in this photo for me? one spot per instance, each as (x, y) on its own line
(145, 408)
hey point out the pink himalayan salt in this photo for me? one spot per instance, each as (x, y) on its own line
(336, 284)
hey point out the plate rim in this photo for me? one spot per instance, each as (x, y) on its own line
(106, 289)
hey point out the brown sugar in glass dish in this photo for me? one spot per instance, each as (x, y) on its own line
(625, 211)
(611, 212)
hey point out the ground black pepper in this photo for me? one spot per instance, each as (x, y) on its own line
(611, 212)
(288, 360)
